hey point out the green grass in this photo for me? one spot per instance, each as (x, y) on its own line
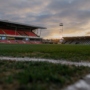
(38, 75)
(41, 75)
(67, 52)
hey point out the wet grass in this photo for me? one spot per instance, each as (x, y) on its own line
(38, 75)
(67, 52)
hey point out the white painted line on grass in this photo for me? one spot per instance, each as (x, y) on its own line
(65, 62)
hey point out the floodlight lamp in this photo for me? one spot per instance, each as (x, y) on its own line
(61, 24)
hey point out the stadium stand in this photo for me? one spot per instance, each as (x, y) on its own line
(85, 40)
(16, 33)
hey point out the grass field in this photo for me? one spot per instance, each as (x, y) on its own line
(41, 75)
(38, 75)
(67, 52)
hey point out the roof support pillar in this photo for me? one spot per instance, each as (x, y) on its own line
(40, 32)
(37, 31)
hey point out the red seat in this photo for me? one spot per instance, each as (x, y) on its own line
(30, 33)
(13, 41)
(20, 41)
(10, 32)
(1, 31)
(4, 41)
(22, 33)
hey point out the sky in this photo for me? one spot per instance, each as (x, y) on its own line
(74, 14)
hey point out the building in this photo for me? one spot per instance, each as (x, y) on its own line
(17, 33)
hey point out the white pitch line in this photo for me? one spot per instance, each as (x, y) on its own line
(65, 62)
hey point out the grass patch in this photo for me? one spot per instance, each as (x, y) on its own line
(38, 75)
(67, 52)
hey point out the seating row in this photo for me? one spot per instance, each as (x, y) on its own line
(20, 42)
(19, 32)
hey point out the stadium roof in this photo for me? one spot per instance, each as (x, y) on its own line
(18, 25)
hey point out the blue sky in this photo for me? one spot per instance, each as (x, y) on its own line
(74, 14)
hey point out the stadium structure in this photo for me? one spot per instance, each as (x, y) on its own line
(17, 33)
(77, 40)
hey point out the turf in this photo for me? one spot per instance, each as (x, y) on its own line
(67, 52)
(38, 75)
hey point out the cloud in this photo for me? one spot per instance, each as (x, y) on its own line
(74, 14)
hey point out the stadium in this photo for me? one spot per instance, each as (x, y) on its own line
(17, 33)
(49, 56)
(29, 62)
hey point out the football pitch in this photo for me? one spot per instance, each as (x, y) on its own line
(17, 75)
(66, 52)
